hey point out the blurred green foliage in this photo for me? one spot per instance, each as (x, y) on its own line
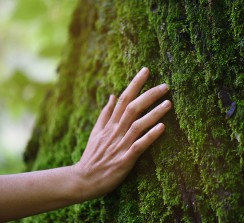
(33, 33)
(50, 19)
(22, 93)
(39, 28)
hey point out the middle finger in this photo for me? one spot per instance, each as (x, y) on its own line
(141, 103)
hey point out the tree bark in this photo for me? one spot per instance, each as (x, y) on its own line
(194, 172)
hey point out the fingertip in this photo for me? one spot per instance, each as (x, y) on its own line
(167, 86)
(164, 88)
(167, 104)
(160, 127)
(112, 97)
(144, 70)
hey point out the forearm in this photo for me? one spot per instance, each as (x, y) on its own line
(36, 192)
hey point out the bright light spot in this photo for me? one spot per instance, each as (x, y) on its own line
(6, 9)
(14, 134)
(36, 68)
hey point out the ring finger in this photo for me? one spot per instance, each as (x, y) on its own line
(139, 126)
(136, 107)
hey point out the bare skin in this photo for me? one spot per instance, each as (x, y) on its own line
(114, 145)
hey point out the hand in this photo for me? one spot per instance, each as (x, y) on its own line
(116, 140)
(115, 143)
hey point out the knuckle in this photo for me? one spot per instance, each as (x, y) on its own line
(136, 82)
(136, 149)
(136, 127)
(131, 109)
(152, 93)
(110, 128)
(123, 99)
(135, 146)
(103, 135)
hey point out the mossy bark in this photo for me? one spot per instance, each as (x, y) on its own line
(194, 172)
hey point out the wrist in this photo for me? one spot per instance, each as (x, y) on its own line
(80, 188)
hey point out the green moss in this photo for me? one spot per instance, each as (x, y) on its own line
(194, 172)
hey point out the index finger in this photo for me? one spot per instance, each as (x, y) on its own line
(130, 93)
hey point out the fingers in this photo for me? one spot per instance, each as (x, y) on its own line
(141, 103)
(139, 146)
(130, 93)
(105, 113)
(140, 125)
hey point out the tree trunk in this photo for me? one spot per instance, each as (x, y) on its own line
(194, 172)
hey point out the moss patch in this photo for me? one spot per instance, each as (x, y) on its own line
(194, 172)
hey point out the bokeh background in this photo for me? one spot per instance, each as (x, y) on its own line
(32, 37)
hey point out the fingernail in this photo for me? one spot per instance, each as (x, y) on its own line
(166, 104)
(164, 87)
(145, 70)
(160, 126)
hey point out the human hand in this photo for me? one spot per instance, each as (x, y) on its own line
(115, 143)
(116, 140)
